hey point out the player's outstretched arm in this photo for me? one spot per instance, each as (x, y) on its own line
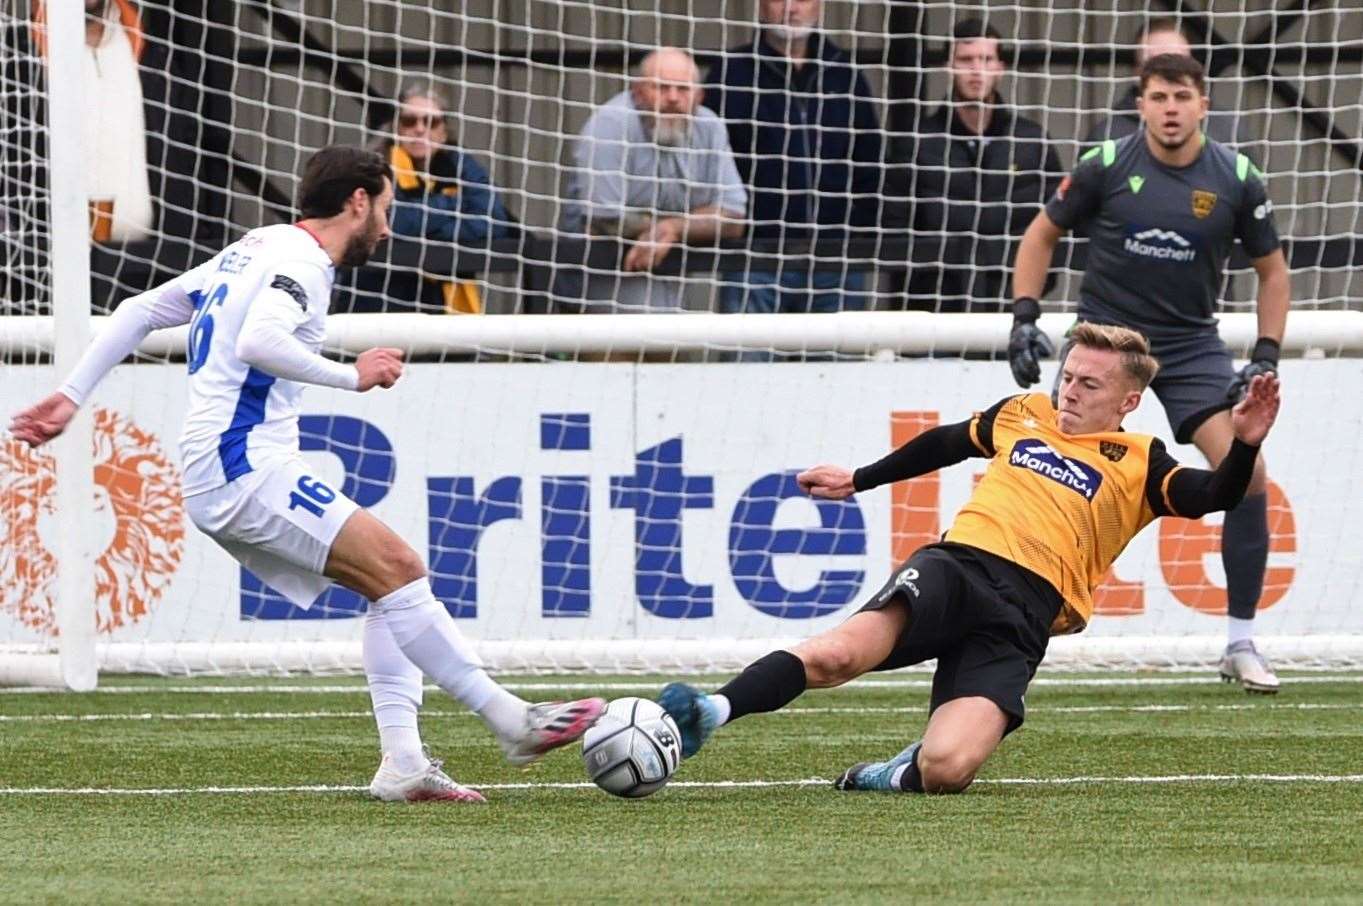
(1254, 415)
(44, 420)
(934, 449)
(166, 305)
(378, 367)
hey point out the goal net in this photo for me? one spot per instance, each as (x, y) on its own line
(596, 450)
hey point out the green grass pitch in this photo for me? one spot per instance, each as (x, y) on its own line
(1158, 788)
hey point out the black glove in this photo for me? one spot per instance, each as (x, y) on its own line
(1027, 344)
(1262, 360)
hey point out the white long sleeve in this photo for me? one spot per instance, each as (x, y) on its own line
(167, 305)
(267, 342)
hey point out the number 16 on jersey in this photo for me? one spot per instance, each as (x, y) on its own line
(201, 327)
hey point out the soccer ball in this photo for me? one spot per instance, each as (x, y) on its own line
(633, 749)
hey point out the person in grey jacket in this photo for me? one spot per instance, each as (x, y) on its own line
(653, 168)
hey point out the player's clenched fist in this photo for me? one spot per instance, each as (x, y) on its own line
(828, 482)
(378, 367)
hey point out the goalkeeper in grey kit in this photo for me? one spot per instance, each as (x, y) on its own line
(1162, 209)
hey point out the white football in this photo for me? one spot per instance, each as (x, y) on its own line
(633, 749)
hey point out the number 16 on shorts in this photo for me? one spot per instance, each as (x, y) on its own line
(311, 496)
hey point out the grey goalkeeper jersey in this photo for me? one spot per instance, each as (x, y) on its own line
(1160, 236)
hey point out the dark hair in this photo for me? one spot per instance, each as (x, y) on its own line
(1173, 67)
(333, 174)
(978, 29)
(973, 29)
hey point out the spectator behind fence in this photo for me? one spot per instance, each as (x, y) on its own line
(1156, 37)
(439, 193)
(805, 135)
(144, 130)
(974, 176)
(653, 168)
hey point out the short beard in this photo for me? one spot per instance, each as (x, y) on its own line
(360, 247)
(783, 33)
(1174, 146)
(670, 132)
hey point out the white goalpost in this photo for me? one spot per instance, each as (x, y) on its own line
(73, 664)
(614, 492)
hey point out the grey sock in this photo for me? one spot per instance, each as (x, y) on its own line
(1244, 553)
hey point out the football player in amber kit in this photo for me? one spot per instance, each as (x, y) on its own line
(1066, 489)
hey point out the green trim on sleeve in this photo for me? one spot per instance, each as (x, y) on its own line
(1245, 167)
(1091, 152)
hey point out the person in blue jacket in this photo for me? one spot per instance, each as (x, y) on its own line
(440, 194)
(808, 144)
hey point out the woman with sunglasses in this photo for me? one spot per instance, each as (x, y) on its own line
(439, 193)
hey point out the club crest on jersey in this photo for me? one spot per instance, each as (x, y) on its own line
(1043, 459)
(1112, 450)
(1203, 202)
(293, 288)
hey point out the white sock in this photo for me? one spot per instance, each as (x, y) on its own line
(395, 691)
(1238, 630)
(504, 714)
(429, 638)
(722, 708)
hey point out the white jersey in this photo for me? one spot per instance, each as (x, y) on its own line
(257, 314)
(239, 417)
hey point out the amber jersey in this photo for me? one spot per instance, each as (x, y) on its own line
(1062, 506)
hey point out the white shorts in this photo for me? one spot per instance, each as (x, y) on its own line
(278, 522)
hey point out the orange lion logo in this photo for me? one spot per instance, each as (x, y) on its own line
(137, 498)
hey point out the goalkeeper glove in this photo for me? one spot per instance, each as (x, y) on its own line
(1262, 360)
(1027, 344)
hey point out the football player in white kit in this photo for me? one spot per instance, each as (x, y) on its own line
(257, 315)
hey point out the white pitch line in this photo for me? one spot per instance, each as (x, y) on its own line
(588, 686)
(147, 716)
(690, 784)
(1180, 778)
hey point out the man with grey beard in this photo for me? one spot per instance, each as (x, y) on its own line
(654, 168)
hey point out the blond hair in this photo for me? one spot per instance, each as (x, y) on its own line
(1133, 348)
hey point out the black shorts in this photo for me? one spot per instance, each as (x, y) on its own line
(985, 619)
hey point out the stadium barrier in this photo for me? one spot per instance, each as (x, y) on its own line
(631, 517)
